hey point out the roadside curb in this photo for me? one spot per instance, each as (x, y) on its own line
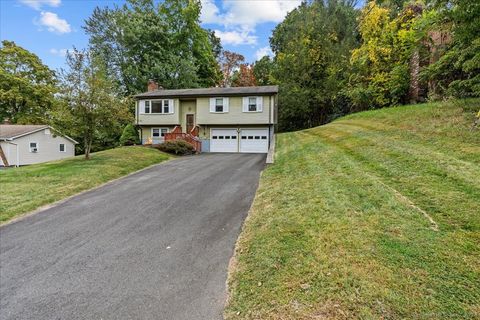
(58, 202)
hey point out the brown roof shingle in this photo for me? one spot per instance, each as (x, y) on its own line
(205, 92)
(8, 131)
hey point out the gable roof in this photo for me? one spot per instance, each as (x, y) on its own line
(206, 92)
(13, 131)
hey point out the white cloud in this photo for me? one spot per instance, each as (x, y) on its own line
(239, 18)
(59, 52)
(236, 37)
(251, 13)
(262, 52)
(37, 4)
(209, 12)
(54, 23)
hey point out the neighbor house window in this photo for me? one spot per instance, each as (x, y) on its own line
(62, 147)
(219, 105)
(33, 147)
(252, 104)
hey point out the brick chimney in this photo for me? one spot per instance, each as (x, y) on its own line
(152, 85)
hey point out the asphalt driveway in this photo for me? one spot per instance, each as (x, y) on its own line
(154, 245)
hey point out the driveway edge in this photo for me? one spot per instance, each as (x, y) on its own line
(233, 262)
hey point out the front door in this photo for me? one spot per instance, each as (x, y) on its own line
(190, 122)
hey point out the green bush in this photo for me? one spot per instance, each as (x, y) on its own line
(178, 147)
(129, 136)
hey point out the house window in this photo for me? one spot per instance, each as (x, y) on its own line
(33, 147)
(219, 105)
(252, 104)
(62, 147)
(158, 106)
(165, 106)
(159, 132)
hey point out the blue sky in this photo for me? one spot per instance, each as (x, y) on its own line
(50, 27)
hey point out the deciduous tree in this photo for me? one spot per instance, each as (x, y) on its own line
(229, 62)
(312, 49)
(388, 59)
(27, 86)
(263, 71)
(89, 109)
(244, 76)
(457, 71)
(164, 41)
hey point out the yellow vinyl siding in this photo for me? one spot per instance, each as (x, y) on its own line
(235, 115)
(204, 132)
(146, 131)
(160, 119)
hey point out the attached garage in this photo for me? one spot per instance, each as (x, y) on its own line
(224, 140)
(250, 140)
(254, 140)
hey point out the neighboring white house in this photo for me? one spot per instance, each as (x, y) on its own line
(239, 119)
(28, 144)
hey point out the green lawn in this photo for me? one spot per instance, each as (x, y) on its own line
(373, 216)
(27, 188)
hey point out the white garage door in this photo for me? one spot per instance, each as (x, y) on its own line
(224, 140)
(254, 140)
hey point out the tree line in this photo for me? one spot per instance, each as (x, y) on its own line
(330, 58)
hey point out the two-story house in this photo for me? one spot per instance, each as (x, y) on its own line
(237, 119)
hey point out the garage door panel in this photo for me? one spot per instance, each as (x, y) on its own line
(224, 140)
(254, 140)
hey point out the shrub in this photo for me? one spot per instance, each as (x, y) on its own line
(129, 136)
(178, 147)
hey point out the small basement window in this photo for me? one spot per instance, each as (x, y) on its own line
(159, 132)
(62, 147)
(33, 147)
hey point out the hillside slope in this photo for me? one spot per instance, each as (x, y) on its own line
(373, 216)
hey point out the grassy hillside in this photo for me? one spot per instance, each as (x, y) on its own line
(373, 216)
(27, 188)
